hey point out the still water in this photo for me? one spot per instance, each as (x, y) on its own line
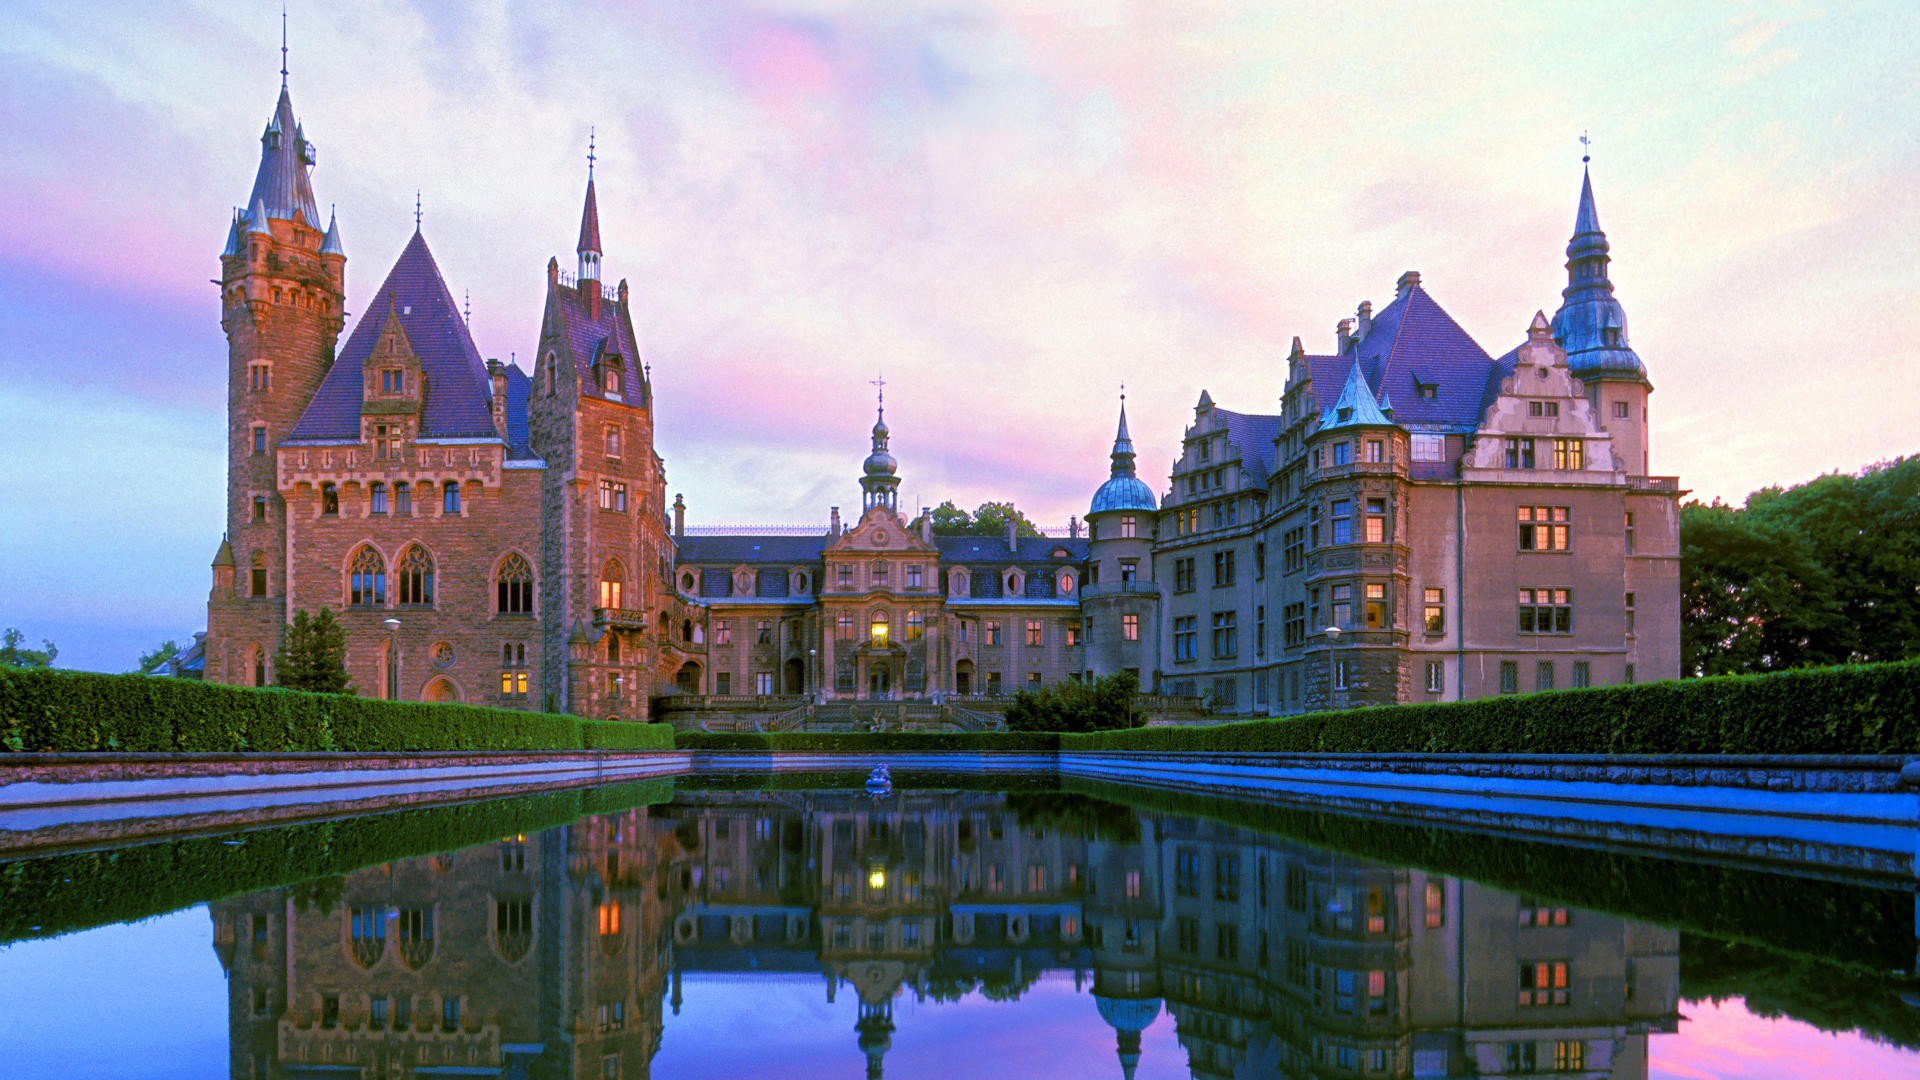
(728, 932)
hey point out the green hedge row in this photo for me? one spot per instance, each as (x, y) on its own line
(859, 742)
(1854, 709)
(82, 711)
(58, 894)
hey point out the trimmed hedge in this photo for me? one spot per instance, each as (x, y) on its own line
(872, 742)
(83, 711)
(1853, 709)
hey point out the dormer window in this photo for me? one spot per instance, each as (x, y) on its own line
(612, 376)
(393, 381)
(386, 442)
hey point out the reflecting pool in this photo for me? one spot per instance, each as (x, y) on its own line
(717, 929)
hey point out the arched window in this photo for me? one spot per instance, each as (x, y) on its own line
(548, 369)
(257, 576)
(367, 579)
(613, 649)
(613, 584)
(416, 577)
(878, 627)
(686, 630)
(513, 587)
(259, 666)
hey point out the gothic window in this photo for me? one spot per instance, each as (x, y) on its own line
(512, 928)
(257, 576)
(259, 666)
(513, 587)
(366, 934)
(613, 583)
(547, 370)
(610, 377)
(416, 577)
(367, 579)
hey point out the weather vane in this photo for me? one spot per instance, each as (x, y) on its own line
(1586, 148)
(283, 46)
(416, 209)
(879, 382)
(589, 153)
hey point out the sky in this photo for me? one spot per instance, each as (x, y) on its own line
(1005, 209)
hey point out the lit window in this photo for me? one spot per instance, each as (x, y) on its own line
(1543, 528)
(1376, 521)
(1569, 454)
(916, 626)
(1035, 634)
(1376, 606)
(1546, 611)
(1544, 982)
(613, 582)
(1130, 627)
(878, 627)
(1433, 604)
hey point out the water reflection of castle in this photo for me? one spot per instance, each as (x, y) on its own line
(552, 955)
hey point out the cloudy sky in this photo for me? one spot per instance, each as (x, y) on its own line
(1007, 209)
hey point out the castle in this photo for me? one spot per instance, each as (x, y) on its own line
(1421, 521)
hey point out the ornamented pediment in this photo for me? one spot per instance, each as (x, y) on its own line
(879, 530)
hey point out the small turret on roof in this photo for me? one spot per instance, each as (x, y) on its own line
(1357, 407)
(332, 245)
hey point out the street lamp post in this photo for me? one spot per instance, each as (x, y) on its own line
(813, 672)
(1333, 639)
(393, 659)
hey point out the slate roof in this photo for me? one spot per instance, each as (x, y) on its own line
(588, 337)
(519, 397)
(992, 550)
(282, 184)
(746, 548)
(1413, 340)
(590, 222)
(1253, 434)
(458, 391)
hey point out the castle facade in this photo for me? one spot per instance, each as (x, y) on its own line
(1420, 521)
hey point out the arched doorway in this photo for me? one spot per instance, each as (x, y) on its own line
(795, 681)
(440, 689)
(963, 678)
(687, 681)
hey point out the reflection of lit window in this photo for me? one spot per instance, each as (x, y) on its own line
(609, 914)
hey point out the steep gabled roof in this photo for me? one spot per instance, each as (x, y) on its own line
(590, 335)
(456, 399)
(1253, 434)
(1356, 406)
(519, 399)
(1413, 342)
(282, 185)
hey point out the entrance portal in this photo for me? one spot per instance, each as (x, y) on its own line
(880, 681)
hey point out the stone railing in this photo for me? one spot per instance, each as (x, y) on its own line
(625, 618)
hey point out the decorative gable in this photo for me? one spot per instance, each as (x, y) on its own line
(1540, 419)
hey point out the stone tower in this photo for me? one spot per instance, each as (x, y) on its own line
(282, 288)
(608, 636)
(1121, 599)
(1592, 327)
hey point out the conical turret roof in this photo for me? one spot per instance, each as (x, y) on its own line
(282, 185)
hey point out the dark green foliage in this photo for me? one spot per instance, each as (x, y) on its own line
(1072, 814)
(1103, 704)
(625, 735)
(1831, 997)
(166, 650)
(1858, 709)
(888, 742)
(81, 711)
(59, 894)
(14, 655)
(313, 654)
(1824, 573)
(989, 520)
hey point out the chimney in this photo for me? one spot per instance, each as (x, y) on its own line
(1408, 281)
(1343, 334)
(590, 296)
(1365, 321)
(498, 373)
(1073, 528)
(679, 516)
(623, 292)
(833, 523)
(553, 272)
(926, 526)
(1013, 536)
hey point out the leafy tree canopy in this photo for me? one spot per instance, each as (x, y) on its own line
(1823, 573)
(313, 654)
(1102, 704)
(165, 651)
(990, 519)
(14, 654)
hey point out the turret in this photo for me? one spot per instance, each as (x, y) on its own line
(589, 246)
(879, 485)
(1591, 327)
(1120, 598)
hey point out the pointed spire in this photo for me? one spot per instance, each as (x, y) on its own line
(257, 218)
(1123, 442)
(1591, 325)
(285, 156)
(878, 480)
(1357, 407)
(233, 236)
(332, 245)
(1123, 490)
(283, 46)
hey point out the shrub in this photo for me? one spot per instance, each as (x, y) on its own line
(862, 742)
(1101, 704)
(81, 711)
(1855, 709)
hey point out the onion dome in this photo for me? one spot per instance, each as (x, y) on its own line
(1128, 1017)
(1123, 490)
(1591, 325)
(878, 483)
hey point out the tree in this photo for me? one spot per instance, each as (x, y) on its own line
(1827, 572)
(313, 654)
(150, 660)
(1101, 704)
(989, 520)
(14, 656)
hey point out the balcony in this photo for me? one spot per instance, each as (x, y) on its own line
(1101, 589)
(1663, 484)
(620, 618)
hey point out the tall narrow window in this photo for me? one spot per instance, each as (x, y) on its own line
(613, 582)
(1433, 603)
(1543, 675)
(879, 627)
(1629, 532)
(259, 376)
(1582, 673)
(1376, 521)
(450, 498)
(403, 499)
(259, 439)
(1631, 619)
(1519, 453)
(257, 575)
(416, 577)
(1343, 605)
(1341, 512)
(513, 587)
(329, 499)
(916, 626)
(1376, 593)
(1128, 526)
(259, 508)
(367, 579)
(1436, 676)
(1130, 627)
(614, 441)
(376, 498)
(1569, 454)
